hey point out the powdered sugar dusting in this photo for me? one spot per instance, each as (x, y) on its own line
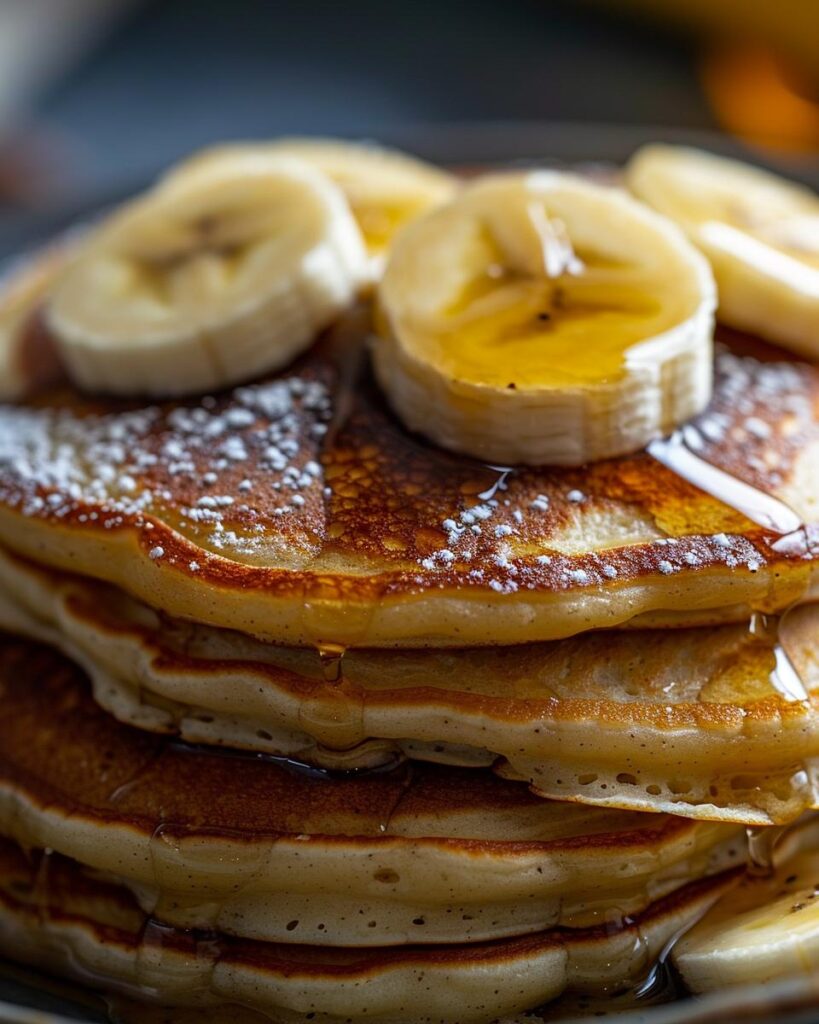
(255, 475)
(129, 464)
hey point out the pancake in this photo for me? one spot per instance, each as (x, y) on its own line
(54, 915)
(698, 722)
(256, 847)
(298, 510)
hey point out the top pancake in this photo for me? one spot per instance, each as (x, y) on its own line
(299, 510)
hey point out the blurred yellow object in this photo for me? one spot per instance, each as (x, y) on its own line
(789, 28)
(752, 97)
(760, 72)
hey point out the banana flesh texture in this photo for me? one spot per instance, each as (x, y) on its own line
(764, 929)
(539, 318)
(386, 189)
(759, 232)
(225, 277)
(23, 291)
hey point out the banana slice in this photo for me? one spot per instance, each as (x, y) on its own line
(386, 189)
(760, 233)
(539, 318)
(765, 928)
(222, 278)
(27, 360)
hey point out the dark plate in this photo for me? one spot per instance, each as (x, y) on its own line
(27, 997)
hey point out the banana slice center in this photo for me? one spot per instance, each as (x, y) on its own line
(534, 309)
(181, 262)
(542, 319)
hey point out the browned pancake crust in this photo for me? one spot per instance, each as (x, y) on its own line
(364, 520)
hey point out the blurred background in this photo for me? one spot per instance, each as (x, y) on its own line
(96, 95)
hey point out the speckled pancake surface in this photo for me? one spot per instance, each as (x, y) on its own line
(713, 722)
(255, 847)
(300, 511)
(56, 916)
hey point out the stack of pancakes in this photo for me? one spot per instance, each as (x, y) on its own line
(305, 716)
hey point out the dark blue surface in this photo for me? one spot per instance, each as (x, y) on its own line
(177, 74)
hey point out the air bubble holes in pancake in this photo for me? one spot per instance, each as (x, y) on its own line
(756, 798)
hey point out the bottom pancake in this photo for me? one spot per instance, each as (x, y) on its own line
(256, 847)
(56, 916)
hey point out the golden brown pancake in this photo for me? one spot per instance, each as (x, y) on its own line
(56, 916)
(298, 510)
(256, 847)
(698, 722)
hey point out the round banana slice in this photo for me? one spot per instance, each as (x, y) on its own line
(759, 232)
(27, 360)
(386, 189)
(542, 319)
(218, 280)
(764, 929)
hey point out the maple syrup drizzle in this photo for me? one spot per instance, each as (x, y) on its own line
(784, 677)
(677, 453)
(331, 657)
(762, 841)
(500, 484)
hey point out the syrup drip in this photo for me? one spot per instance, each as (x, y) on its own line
(762, 841)
(784, 677)
(41, 883)
(663, 983)
(787, 682)
(678, 452)
(499, 484)
(331, 657)
(183, 890)
(203, 951)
